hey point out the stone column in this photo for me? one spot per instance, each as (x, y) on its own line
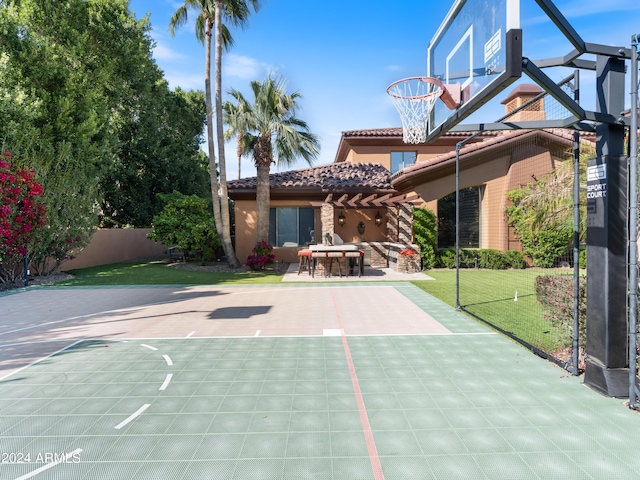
(392, 224)
(405, 223)
(326, 221)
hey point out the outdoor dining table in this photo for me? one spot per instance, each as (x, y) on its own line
(330, 252)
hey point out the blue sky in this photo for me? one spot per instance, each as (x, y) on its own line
(340, 55)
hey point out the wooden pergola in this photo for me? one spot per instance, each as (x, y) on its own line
(371, 201)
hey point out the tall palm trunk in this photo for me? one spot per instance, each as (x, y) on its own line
(224, 195)
(212, 153)
(263, 156)
(240, 150)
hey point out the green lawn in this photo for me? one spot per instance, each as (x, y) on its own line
(158, 273)
(491, 295)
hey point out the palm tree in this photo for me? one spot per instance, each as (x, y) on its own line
(271, 126)
(234, 117)
(210, 13)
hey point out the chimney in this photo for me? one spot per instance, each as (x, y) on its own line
(518, 97)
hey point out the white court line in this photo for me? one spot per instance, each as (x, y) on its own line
(332, 332)
(189, 336)
(49, 465)
(257, 333)
(148, 346)
(167, 359)
(165, 384)
(132, 416)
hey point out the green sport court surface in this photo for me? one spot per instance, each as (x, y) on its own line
(356, 381)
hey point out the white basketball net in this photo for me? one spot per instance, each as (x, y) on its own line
(414, 99)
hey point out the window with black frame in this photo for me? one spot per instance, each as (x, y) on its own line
(469, 219)
(291, 226)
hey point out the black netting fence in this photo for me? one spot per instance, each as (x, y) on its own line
(531, 296)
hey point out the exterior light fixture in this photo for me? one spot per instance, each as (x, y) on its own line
(378, 218)
(341, 219)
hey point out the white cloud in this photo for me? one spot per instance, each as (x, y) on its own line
(242, 67)
(186, 81)
(164, 53)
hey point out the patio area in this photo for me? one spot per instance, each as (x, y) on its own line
(371, 274)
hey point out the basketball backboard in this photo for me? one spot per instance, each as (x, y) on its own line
(479, 47)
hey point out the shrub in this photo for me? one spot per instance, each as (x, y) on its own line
(515, 259)
(555, 294)
(426, 235)
(187, 222)
(261, 256)
(481, 258)
(492, 259)
(446, 259)
(22, 212)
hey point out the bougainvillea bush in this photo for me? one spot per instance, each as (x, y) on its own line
(22, 213)
(261, 256)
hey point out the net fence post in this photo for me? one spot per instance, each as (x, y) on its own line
(575, 370)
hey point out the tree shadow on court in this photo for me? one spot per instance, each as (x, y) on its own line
(238, 312)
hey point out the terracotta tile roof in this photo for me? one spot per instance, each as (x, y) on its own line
(505, 138)
(334, 177)
(397, 132)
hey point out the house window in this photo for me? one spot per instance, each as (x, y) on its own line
(469, 219)
(291, 226)
(400, 160)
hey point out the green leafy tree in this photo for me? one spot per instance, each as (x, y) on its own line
(426, 235)
(159, 152)
(186, 221)
(273, 129)
(209, 15)
(85, 106)
(542, 214)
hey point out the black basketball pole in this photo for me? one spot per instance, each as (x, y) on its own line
(633, 223)
(607, 366)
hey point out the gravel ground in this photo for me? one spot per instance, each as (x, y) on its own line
(39, 280)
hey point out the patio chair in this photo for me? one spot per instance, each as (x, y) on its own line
(351, 258)
(304, 257)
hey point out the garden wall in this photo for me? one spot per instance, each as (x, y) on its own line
(113, 245)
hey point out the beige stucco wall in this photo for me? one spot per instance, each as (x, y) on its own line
(495, 177)
(246, 218)
(115, 245)
(382, 154)
(245, 211)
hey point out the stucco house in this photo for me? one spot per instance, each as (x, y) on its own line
(366, 194)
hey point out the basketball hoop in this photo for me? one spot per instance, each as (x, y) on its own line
(414, 98)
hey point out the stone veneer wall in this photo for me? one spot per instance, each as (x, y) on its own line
(326, 220)
(387, 255)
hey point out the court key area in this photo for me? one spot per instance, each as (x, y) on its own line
(354, 381)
